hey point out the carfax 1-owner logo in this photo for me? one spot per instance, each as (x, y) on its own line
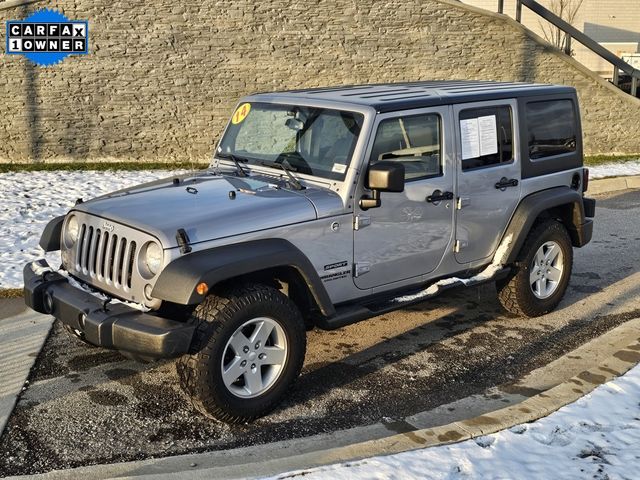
(46, 37)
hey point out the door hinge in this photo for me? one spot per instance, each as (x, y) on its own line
(360, 268)
(460, 244)
(361, 221)
(462, 202)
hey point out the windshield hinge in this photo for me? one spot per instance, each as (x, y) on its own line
(361, 221)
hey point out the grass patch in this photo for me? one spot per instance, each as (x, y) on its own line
(590, 160)
(104, 166)
(593, 160)
(10, 293)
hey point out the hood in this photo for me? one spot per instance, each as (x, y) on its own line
(210, 206)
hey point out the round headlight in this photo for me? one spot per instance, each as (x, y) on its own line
(71, 231)
(153, 257)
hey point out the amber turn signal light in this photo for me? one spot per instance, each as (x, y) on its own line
(202, 288)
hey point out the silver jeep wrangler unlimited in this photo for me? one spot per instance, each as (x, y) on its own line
(321, 208)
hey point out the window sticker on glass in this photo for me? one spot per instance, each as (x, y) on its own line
(470, 138)
(339, 168)
(241, 113)
(479, 136)
(488, 135)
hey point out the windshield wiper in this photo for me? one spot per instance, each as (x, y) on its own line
(286, 167)
(235, 159)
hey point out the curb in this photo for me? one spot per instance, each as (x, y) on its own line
(614, 184)
(224, 465)
(529, 410)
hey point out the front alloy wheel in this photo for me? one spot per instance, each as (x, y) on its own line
(247, 350)
(254, 357)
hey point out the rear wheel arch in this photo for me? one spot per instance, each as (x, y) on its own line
(561, 204)
(569, 214)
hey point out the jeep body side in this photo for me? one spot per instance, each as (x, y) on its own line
(384, 196)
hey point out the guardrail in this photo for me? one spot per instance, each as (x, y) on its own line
(573, 33)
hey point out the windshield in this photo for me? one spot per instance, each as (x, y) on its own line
(315, 141)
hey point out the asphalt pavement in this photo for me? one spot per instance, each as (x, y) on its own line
(88, 405)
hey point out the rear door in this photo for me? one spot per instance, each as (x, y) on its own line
(488, 165)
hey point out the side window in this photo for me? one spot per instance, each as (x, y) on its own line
(551, 128)
(414, 141)
(487, 137)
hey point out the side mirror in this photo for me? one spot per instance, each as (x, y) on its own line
(383, 177)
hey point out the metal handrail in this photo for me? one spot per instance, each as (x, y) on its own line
(572, 32)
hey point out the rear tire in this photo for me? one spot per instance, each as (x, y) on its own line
(248, 348)
(542, 274)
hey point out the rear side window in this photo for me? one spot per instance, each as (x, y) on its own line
(551, 128)
(413, 141)
(486, 135)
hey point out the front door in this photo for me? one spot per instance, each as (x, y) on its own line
(488, 176)
(407, 236)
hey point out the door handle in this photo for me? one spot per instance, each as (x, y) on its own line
(504, 183)
(437, 196)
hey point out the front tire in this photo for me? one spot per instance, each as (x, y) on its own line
(542, 274)
(248, 349)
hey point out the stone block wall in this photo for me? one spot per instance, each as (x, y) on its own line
(162, 77)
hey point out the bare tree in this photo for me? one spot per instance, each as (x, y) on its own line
(566, 10)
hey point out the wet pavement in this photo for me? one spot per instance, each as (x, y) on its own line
(88, 405)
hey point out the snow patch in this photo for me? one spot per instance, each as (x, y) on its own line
(595, 437)
(621, 169)
(30, 199)
(499, 259)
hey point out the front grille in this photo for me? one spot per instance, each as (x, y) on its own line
(105, 256)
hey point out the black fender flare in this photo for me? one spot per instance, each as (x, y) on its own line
(533, 205)
(177, 282)
(50, 238)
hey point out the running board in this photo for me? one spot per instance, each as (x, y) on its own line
(353, 313)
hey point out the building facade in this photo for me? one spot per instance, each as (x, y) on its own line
(614, 24)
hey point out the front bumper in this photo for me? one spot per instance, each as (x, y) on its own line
(115, 326)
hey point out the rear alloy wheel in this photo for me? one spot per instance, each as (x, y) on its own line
(541, 277)
(247, 350)
(545, 271)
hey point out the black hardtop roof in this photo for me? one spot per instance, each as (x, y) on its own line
(389, 97)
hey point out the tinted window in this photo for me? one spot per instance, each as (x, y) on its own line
(551, 128)
(413, 141)
(487, 137)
